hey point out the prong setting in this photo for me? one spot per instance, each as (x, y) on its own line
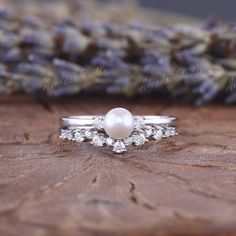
(137, 138)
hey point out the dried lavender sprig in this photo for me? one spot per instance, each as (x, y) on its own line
(59, 58)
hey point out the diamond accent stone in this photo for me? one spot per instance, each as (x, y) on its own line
(109, 141)
(129, 141)
(89, 134)
(66, 134)
(79, 136)
(139, 139)
(139, 122)
(98, 140)
(169, 131)
(119, 147)
(158, 133)
(98, 122)
(148, 131)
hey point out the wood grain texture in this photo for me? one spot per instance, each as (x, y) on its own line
(185, 185)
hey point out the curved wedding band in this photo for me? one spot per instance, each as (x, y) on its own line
(118, 128)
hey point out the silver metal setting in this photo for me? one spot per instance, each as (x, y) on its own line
(91, 129)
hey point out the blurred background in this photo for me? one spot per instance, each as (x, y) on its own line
(225, 10)
(140, 50)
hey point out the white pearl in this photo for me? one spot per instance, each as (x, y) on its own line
(119, 123)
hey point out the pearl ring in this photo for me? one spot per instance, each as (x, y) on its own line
(118, 128)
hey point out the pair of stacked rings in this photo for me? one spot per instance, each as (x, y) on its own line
(118, 128)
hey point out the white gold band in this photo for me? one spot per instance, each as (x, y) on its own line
(88, 121)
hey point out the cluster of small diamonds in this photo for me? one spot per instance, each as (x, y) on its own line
(141, 134)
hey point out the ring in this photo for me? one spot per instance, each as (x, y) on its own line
(118, 128)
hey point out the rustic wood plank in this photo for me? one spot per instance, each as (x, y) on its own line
(181, 186)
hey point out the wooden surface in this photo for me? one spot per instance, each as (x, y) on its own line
(185, 185)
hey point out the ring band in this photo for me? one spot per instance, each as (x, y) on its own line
(118, 128)
(88, 121)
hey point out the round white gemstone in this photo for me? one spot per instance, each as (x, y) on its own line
(157, 134)
(89, 134)
(148, 131)
(129, 140)
(170, 131)
(98, 122)
(119, 123)
(119, 147)
(139, 122)
(66, 134)
(139, 139)
(109, 141)
(79, 136)
(98, 140)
